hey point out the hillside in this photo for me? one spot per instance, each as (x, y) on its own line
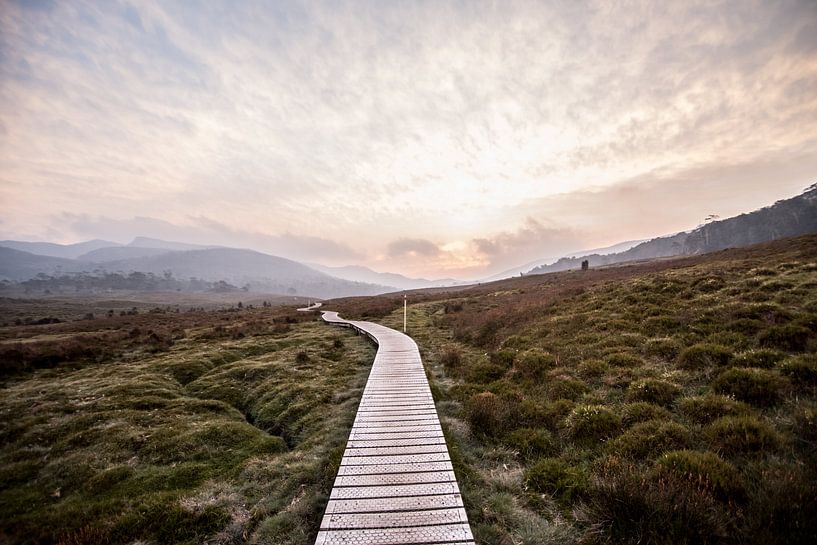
(672, 401)
(17, 265)
(393, 280)
(786, 218)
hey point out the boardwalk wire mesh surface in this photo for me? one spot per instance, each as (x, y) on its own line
(395, 484)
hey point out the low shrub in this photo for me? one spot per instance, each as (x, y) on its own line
(702, 355)
(533, 364)
(653, 391)
(592, 368)
(706, 408)
(451, 359)
(705, 470)
(485, 372)
(741, 434)
(567, 388)
(651, 438)
(662, 347)
(628, 507)
(491, 414)
(623, 359)
(759, 387)
(590, 423)
(565, 482)
(746, 326)
(503, 358)
(531, 443)
(641, 411)
(763, 357)
(790, 337)
(801, 369)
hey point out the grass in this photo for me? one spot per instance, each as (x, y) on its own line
(231, 432)
(672, 401)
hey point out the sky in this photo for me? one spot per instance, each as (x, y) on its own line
(442, 139)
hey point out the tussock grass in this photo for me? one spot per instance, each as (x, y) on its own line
(666, 402)
(231, 434)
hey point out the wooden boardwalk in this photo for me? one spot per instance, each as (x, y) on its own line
(395, 484)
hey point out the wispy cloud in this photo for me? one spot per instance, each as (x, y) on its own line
(369, 122)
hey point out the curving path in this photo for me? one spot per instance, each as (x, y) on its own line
(395, 484)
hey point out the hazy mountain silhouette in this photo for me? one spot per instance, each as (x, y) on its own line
(17, 265)
(357, 273)
(785, 218)
(119, 253)
(68, 251)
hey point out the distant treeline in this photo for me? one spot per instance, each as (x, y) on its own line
(105, 281)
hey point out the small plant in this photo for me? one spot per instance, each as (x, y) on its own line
(741, 434)
(662, 347)
(589, 423)
(490, 414)
(801, 369)
(651, 438)
(301, 357)
(703, 355)
(593, 368)
(706, 408)
(653, 391)
(533, 364)
(762, 357)
(759, 387)
(641, 411)
(531, 443)
(565, 482)
(790, 337)
(567, 388)
(623, 359)
(451, 359)
(704, 470)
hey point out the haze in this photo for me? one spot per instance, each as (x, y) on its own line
(428, 138)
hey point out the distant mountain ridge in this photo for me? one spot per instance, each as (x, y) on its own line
(785, 218)
(358, 273)
(51, 249)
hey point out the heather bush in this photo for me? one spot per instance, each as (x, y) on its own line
(790, 337)
(650, 439)
(741, 434)
(592, 368)
(641, 411)
(703, 355)
(533, 364)
(662, 347)
(623, 359)
(531, 443)
(565, 482)
(762, 357)
(759, 387)
(567, 388)
(653, 391)
(590, 423)
(801, 369)
(703, 409)
(705, 470)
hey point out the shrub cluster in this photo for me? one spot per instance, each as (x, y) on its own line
(531, 443)
(703, 355)
(588, 423)
(653, 391)
(790, 337)
(741, 434)
(801, 369)
(565, 482)
(704, 470)
(706, 408)
(759, 387)
(651, 438)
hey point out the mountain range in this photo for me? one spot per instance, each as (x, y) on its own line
(785, 218)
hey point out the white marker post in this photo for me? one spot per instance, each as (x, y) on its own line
(404, 312)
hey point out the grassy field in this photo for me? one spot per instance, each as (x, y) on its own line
(666, 402)
(162, 427)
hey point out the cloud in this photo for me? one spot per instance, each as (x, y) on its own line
(532, 241)
(413, 247)
(430, 120)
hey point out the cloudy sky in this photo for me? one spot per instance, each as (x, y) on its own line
(434, 138)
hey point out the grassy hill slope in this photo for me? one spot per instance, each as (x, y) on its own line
(666, 402)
